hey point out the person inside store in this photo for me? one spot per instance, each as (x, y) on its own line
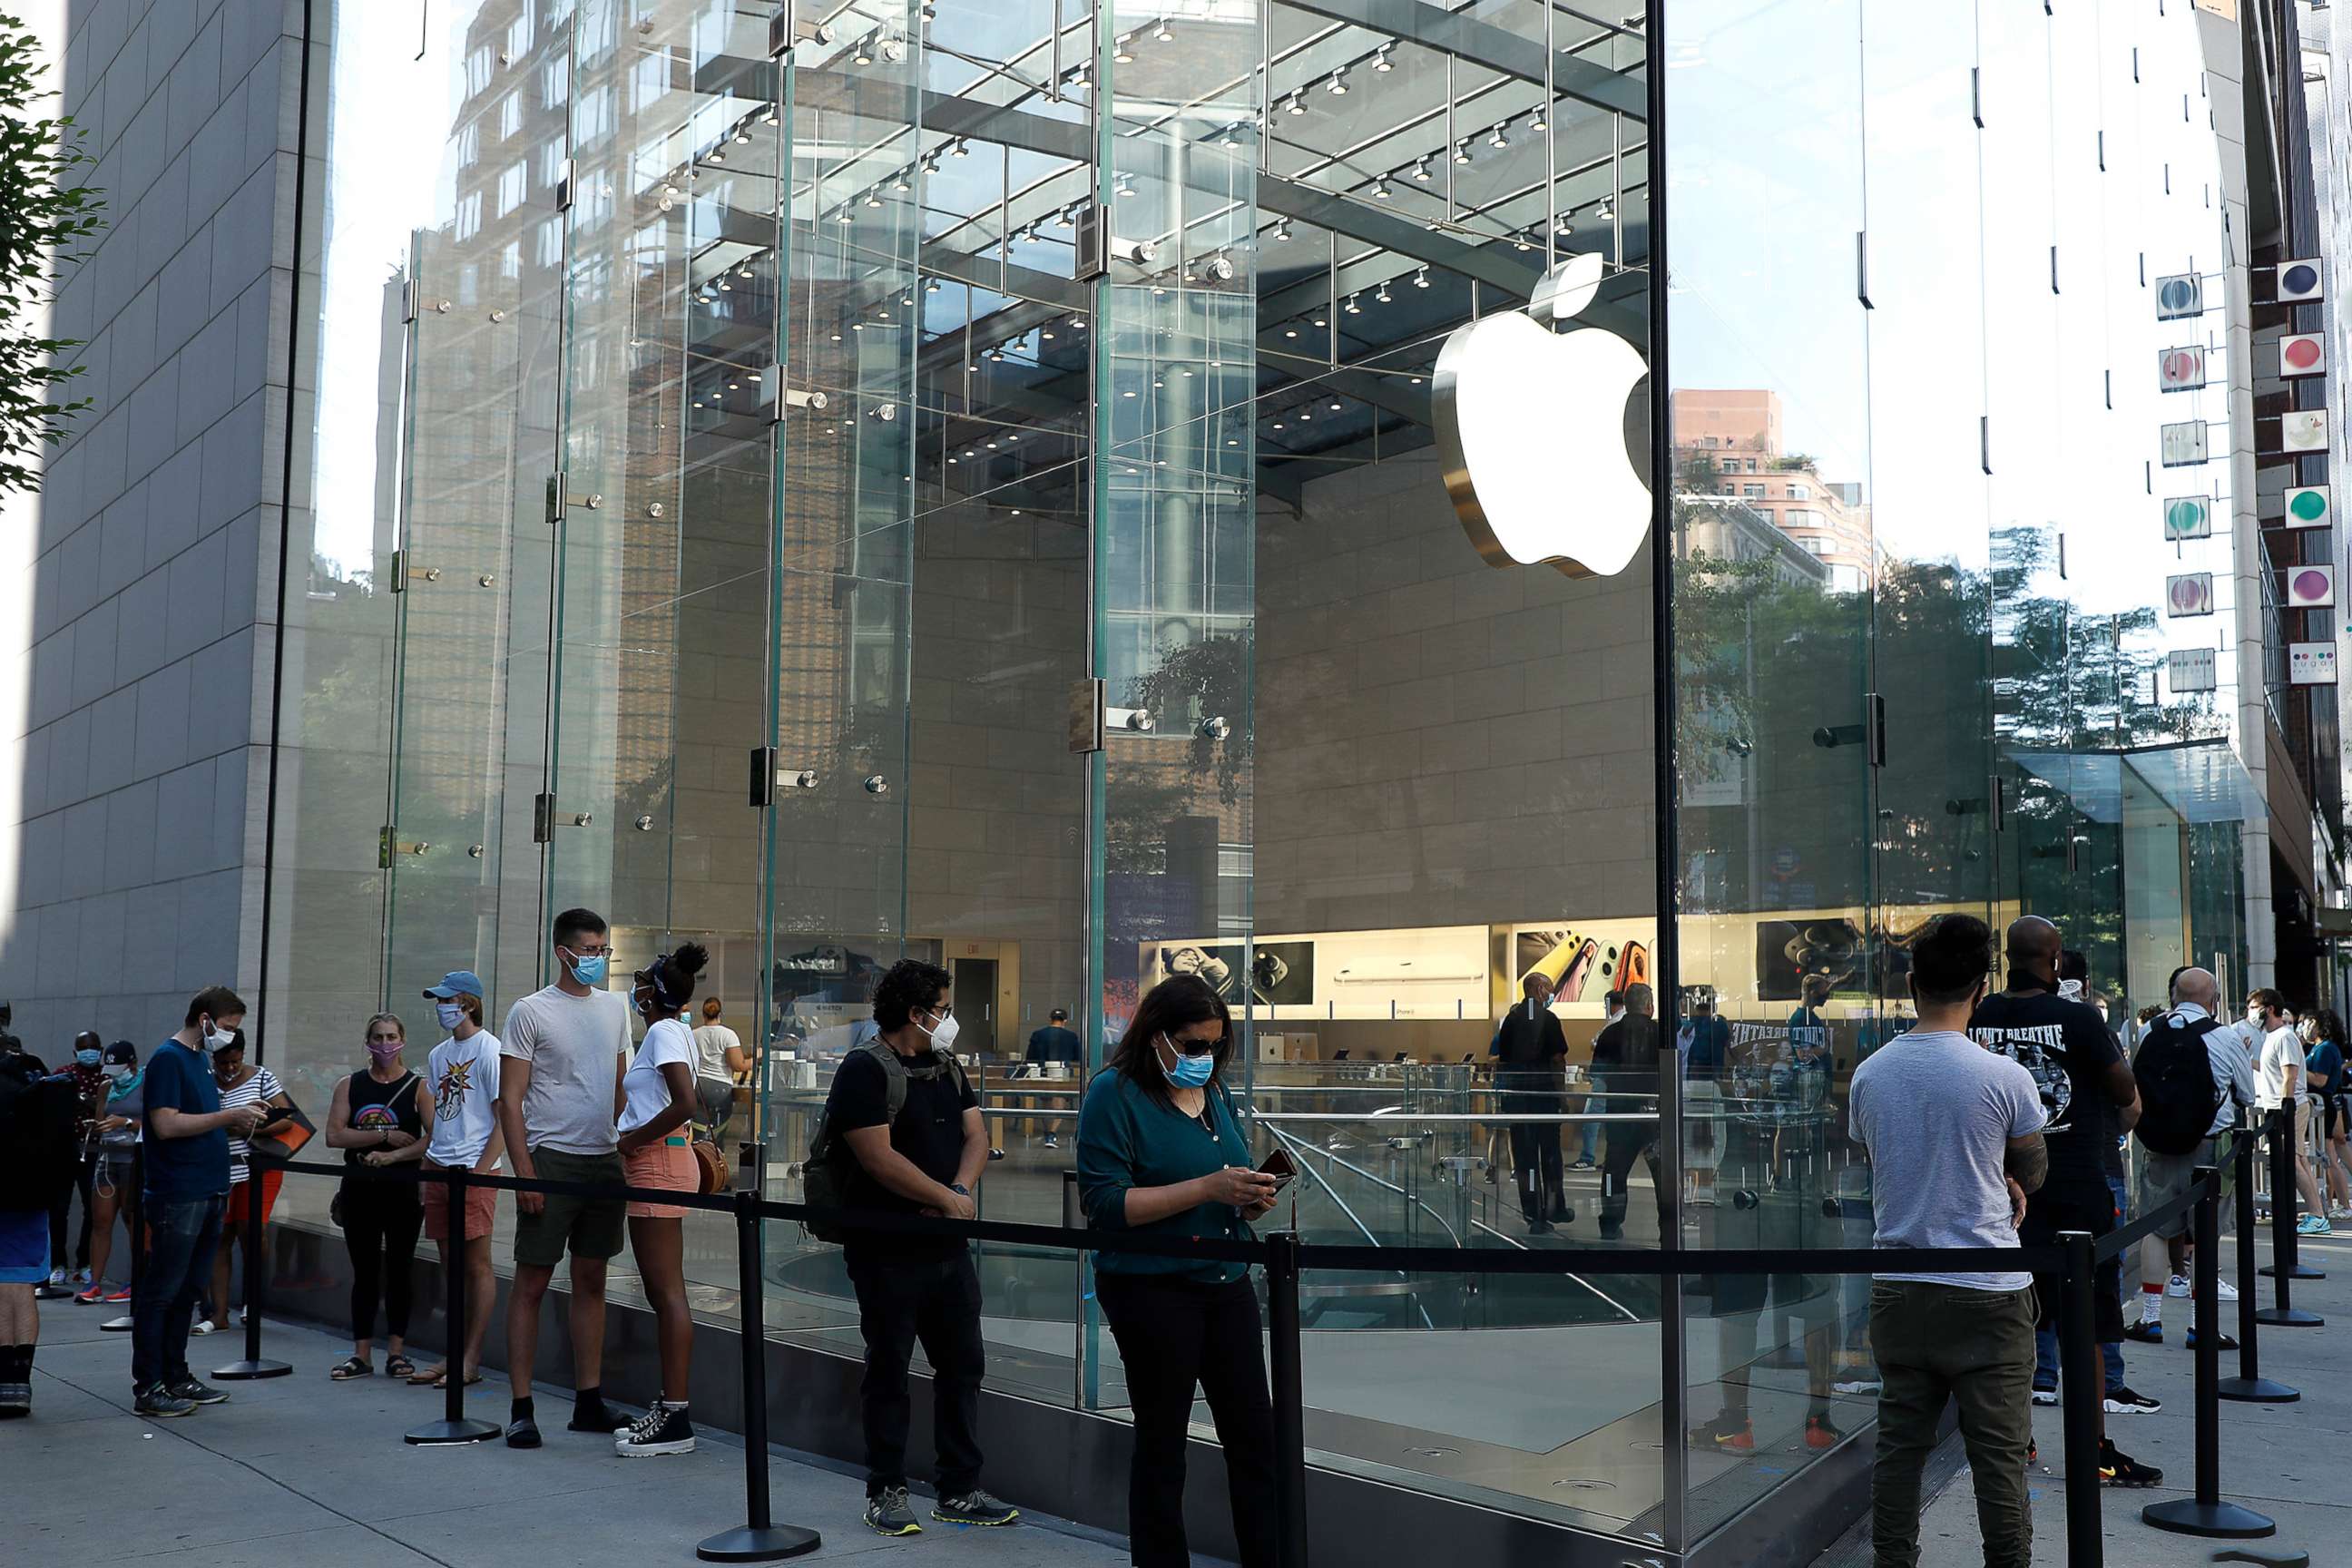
(381, 1118)
(1625, 1058)
(1954, 1136)
(721, 1063)
(916, 1137)
(462, 1074)
(1051, 1047)
(1530, 1054)
(2091, 1099)
(1162, 1152)
(561, 1059)
(84, 1070)
(241, 1083)
(116, 1129)
(656, 1098)
(185, 1172)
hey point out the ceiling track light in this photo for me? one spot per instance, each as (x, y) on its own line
(1604, 212)
(1535, 120)
(1495, 138)
(1421, 169)
(1563, 228)
(874, 196)
(1380, 190)
(960, 148)
(1282, 232)
(1381, 296)
(1122, 186)
(1354, 308)
(1462, 150)
(1121, 53)
(1421, 279)
(1380, 61)
(865, 55)
(1159, 33)
(1338, 86)
(1296, 105)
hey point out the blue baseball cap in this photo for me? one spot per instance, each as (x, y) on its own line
(457, 982)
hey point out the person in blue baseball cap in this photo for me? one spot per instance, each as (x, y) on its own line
(463, 1073)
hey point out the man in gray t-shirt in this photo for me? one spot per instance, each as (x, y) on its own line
(561, 1058)
(1954, 1136)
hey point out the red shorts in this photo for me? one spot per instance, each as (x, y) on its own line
(234, 1212)
(665, 1164)
(481, 1208)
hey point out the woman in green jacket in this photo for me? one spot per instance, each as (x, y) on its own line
(1159, 1152)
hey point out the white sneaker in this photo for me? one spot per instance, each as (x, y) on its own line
(2176, 1286)
(2224, 1292)
(56, 1275)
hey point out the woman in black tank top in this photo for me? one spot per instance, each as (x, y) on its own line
(381, 1116)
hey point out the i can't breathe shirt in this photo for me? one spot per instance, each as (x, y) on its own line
(573, 1044)
(1936, 1114)
(2067, 1050)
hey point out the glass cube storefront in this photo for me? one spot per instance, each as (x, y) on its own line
(747, 449)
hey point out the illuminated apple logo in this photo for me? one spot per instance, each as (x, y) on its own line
(1531, 430)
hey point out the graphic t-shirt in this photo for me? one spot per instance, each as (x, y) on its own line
(2068, 1051)
(573, 1044)
(463, 1076)
(646, 1091)
(181, 1079)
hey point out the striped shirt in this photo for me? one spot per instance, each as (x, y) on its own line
(262, 1086)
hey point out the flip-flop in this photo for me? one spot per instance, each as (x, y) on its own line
(471, 1378)
(350, 1367)
(431, 1374)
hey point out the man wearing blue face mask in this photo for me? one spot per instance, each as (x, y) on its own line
(88, 1080)
(561, 1058)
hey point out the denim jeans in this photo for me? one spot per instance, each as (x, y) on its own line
(2045, 1361)
(177, 1266)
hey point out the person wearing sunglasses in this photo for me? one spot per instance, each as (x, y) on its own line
(1162, 1152)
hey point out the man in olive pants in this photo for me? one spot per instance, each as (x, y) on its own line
(1954, 1136)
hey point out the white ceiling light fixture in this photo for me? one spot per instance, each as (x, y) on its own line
(1495, 138)
(1338, 86)
(1159, 32)
(1121, 53)
(1421, 169)
(1296, 105)
(1421, 279)
(1380, 61)
(1380, 190)
(1462, 150)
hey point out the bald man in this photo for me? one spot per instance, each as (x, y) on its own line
(2163, 1176)
(2091, 1099)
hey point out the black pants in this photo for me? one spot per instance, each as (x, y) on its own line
(1622, 1142)
(1173, 1334)
(379, 1225)
(935, 1301)
(1535, 1145)
(85, 1171)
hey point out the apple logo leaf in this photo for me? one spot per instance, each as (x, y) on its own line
(1531, 433)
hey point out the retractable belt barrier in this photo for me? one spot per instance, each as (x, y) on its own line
(2073, 1259)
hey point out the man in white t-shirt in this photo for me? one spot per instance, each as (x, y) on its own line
(463, 1075)
(2279, 1085)
(560, 1063)
(1954, 1136)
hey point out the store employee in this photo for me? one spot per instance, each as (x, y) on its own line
(1530, 1051)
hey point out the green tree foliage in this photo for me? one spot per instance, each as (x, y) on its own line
(44, 217)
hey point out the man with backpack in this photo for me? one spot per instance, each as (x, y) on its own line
(2195, 1082)
(36, 1149)
(902, 1133)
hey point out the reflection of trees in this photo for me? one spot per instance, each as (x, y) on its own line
(1195, 682)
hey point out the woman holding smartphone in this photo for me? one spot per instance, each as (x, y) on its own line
(1161, 1152)
(656, 1099)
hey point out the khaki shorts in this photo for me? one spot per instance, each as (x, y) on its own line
(2164, 1177)
(586, 1227)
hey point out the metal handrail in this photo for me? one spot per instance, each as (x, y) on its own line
(1426, 1321)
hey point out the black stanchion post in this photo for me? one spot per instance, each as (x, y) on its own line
(2249, 1386)
(2205, 1513)
(252, 1366)
(453, 1426)
(1289, 1398)
(129, 1204)
(2281, 1313)
(759, 1539)
(2081, 1373)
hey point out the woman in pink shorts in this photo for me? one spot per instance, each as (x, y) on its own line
(656, 1098)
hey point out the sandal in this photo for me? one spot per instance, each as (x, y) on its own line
(431, 1374)
(471, 1378)
(399, 1366)
(351, 1366)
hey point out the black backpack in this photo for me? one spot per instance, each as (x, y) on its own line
(2177, 1095)
(829, 1179)
(37, 1151)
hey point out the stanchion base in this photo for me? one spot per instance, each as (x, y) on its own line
(465, 1431)
(248, 1371)
(115, 1326)
(750, 1544)
(2223, 1521)
(2288, 1318)
(2258, 1391)
(2300, 1271)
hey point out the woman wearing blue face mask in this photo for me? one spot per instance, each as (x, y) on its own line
(1161, 1152)
(89, 1088)
(116, 1127)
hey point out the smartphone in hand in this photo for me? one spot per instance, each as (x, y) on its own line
(1277, 1166)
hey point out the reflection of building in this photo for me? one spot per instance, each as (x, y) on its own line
(1730, 444)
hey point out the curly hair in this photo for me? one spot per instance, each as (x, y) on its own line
(672, 976)
(908, 987)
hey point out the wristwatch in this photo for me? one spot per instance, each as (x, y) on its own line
(959, 1189)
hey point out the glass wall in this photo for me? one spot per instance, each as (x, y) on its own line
(964, 483)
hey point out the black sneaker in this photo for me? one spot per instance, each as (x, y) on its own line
(195, 1393)
(597, 1418)
(15, 1401)
(974, 1507)
(2044, 1395)
(887, 1514)
(2117, 1468)
(664, 1429)
(2127, 1401)
(522, 1432)
(2224, 1341)
(2149, 1333)
(157, 1403)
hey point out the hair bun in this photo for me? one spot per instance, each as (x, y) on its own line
(690, 958)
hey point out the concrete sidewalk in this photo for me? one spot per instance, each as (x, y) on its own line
(2284, 1460)
(301, 1469)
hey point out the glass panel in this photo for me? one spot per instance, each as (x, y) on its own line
(1776, 559)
